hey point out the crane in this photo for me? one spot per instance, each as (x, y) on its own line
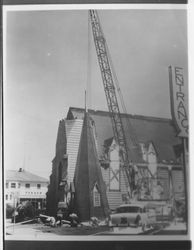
(128, 155)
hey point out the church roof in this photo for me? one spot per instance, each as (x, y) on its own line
(158, 130)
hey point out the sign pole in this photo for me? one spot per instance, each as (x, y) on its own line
(185, 174)
(179, 110)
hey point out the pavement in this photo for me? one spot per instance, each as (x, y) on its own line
(32, 232)
(122, 231)
(178, 228)
(41, 232)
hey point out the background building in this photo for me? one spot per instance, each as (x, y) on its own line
(22, 185)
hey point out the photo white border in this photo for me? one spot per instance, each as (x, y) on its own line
(190, 13)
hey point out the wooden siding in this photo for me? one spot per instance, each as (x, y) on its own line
(123, 182)
(73, 131)
(114, 197)
(105, 175)
(178, 183)
(163, 175)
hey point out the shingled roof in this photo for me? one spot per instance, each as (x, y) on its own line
(158, 130)
(23, 176)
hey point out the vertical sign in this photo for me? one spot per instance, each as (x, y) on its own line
(179, 100)
(179, 110)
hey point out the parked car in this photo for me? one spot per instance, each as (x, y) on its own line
(133, 215)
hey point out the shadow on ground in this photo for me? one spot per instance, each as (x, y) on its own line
(83, 230)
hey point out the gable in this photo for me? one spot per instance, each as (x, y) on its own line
(151, 149)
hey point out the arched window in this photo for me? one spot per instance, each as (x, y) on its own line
(152, 159)
(96, 196)
(60, 173)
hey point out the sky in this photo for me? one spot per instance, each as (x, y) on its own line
(49, 67)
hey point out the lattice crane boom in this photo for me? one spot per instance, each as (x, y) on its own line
(110, 92)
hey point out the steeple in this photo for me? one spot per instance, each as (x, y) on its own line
(90, 190)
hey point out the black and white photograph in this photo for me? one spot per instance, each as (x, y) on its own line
(95, 122)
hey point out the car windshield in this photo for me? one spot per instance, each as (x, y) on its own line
(131, 209)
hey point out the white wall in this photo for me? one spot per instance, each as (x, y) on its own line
(14, 194)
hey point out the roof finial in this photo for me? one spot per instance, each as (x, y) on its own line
(86, 109)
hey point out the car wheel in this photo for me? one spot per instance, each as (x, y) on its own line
(138, 221)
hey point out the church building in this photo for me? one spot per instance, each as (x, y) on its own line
(87, 175)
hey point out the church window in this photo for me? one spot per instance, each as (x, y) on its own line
(96, 196)
(60, 173)
(13, 185)
(27, 185)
